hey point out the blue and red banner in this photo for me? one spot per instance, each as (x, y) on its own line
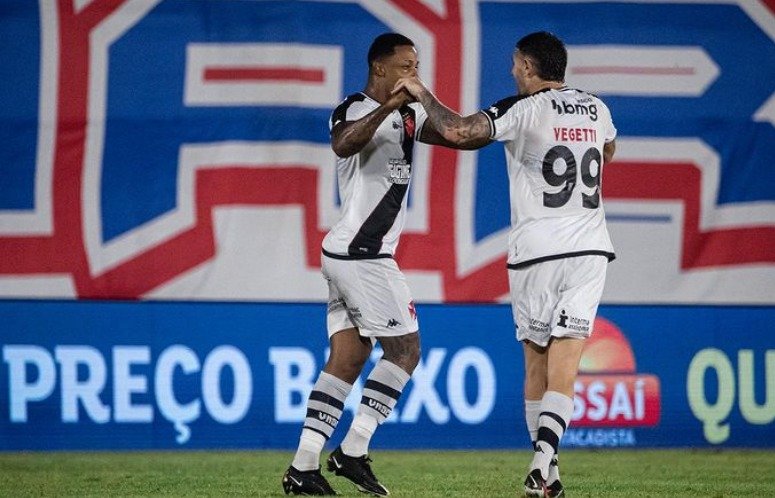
(169, 149)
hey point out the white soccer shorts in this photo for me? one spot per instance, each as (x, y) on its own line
(370, 294)
(557, 298)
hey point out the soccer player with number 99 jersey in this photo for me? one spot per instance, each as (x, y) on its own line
(557, 140)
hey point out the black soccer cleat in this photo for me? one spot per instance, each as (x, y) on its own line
(535, 484)
(555, 489)
(357, 470)
(307, 483)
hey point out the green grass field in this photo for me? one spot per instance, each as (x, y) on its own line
(618, 473)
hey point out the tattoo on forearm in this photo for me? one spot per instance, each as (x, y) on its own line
(355, 135)
(461, 130)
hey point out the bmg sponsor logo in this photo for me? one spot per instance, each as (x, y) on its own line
(611, 397)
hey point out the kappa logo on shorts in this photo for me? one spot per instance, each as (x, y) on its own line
(392, 323)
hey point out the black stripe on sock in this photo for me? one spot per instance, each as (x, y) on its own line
(548, 436)
(377, 406)
(326, 419)
(327, 436)
(327, 399)
(556, 418)
(382, 388)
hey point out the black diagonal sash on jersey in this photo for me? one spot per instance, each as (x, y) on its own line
(368, 240)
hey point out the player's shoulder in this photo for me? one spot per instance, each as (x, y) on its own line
(355, 101)
(351, 99)
(504, 105)
(581, 95)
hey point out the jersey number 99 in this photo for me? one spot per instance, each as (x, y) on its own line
(568, 178)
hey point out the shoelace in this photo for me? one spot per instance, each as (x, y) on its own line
(367, 468)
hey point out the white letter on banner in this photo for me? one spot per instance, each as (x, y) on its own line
(125, 384)
(579, 406)
(711, 415)
(178, 414)
(88, 390)
(596, 398)
(456, 385)
(753, 413)
(217, 360)
(423, 393)
(620, 403)
(21, 390)
(285, 383)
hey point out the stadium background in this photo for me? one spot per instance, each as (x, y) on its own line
(167, 180)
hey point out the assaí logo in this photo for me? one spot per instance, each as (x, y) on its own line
(611, 397)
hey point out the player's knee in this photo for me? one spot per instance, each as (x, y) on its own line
(347, 368)
(403, 351)
(407, 362)
(411, 359)
(536, 373)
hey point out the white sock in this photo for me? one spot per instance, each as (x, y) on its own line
(308, 453)
(554, 471)
(324, 408)
(532, 410)
(556, 412)
(356, 442)
(380, 394)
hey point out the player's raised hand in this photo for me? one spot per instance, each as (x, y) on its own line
(412, 85)
(398, 99)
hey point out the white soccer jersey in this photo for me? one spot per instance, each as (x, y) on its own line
(554, 152)
(373, 183)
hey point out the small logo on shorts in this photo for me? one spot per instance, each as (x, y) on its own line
(336, 305)
(538, 325)
(392, 323)
(563, 319)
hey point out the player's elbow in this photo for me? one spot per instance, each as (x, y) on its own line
(608, 152)
(468, 143)
(342, 149)
(455, 138)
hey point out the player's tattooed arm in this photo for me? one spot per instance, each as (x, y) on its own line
(463, 132)
(349, 137)
(430, 135)
(468, 132)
